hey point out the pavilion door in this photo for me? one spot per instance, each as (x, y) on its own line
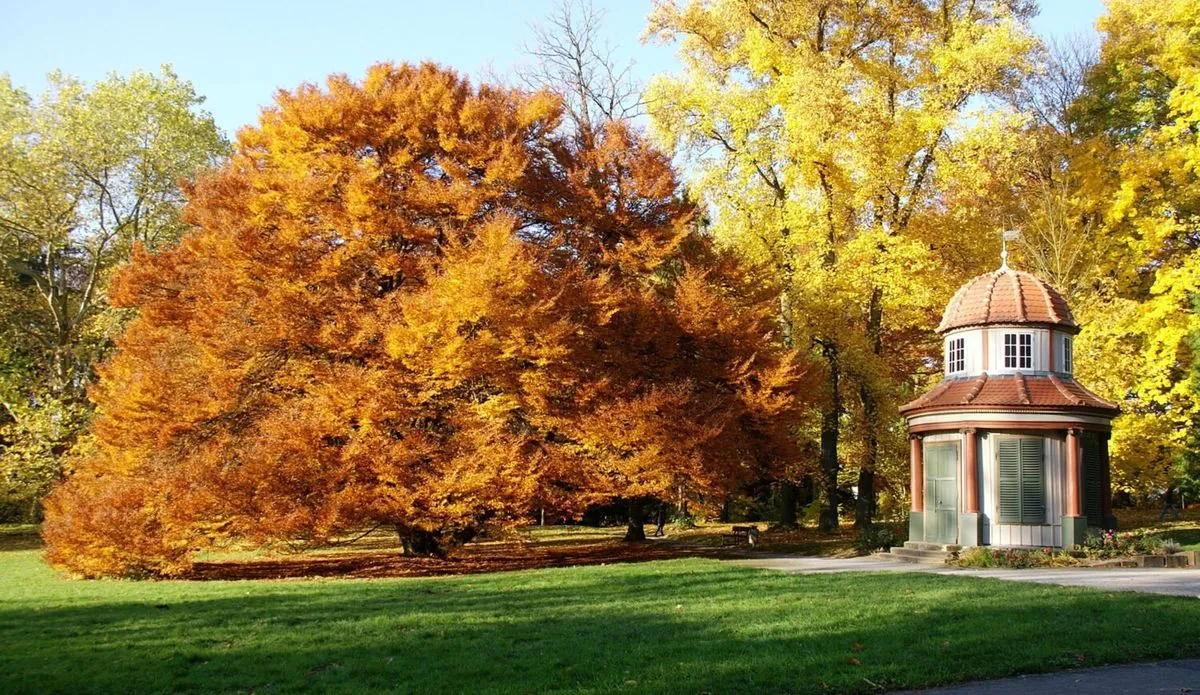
(941, 492)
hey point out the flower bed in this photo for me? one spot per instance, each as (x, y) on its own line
(1110, 544)
(1110, 548)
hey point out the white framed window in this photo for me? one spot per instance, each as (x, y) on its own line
(956, 356)
(1018, 351)
(1068, 355)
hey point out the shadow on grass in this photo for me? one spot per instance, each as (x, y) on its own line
(20, 539)
(684, 626)
(1184, 536)
(473, 559)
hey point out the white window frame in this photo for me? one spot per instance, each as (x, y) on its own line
(1018, 350)
(956, 355)
(1068, 355)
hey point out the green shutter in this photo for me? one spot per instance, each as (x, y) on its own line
(1010, 481)
(1022, 473)
(1033, 483)
(1091, 480)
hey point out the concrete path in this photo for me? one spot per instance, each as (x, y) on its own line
(1175, 582)
(1135, 679)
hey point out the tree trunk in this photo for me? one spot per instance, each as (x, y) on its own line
(864, 512)
(788, 495)
(864, 506)
(420, 542)
(636, 530)
(830, 432)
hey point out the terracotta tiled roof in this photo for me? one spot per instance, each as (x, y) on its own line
(1016, 390)
(1006, 296)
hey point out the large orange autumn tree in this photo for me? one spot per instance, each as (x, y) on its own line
(417, 302)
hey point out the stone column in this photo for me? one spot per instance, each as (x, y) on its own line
(971, 470)
(1109, 521)
(969, 520)
(916, 516)
(1071, 493)
(1074, 525)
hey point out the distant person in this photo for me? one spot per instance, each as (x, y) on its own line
(659, 531)
(1169, 504)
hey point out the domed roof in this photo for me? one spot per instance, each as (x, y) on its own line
(1007, 296)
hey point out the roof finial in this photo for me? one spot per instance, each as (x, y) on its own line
(1005, 237)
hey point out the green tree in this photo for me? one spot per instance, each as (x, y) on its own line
(87, 172)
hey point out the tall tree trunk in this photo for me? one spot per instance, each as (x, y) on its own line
(788, 494)
(830, 433)
(864, 511)
(636, 530)
(864, 506)
(416, 541)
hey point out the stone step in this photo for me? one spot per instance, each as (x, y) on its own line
(916, 560)
(915, 552)
(921, 545)
(918, 556)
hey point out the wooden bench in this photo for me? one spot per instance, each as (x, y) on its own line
(741, 534)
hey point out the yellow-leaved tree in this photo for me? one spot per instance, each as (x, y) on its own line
(839, 144)
(1135, 181)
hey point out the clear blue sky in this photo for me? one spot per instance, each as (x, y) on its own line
(238, 53)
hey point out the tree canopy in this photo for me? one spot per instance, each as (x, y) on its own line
(835, 144)
(415, 301)
(86, 172)
(1134, 172)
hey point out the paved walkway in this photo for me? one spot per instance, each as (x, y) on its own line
(1176, 582)
(1135, 679)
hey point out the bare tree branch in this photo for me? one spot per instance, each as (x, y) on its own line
(572, 59)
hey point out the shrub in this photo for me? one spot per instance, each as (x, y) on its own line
(1013, 558)
(877, 537)
(1108, 544)
(684, 520)
(1147, 545)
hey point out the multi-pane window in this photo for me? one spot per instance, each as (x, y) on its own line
(1018, 351)
(1068, 356)
(956, 356)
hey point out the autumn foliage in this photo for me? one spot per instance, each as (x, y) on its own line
(417, 302)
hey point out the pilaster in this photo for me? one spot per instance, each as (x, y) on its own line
(916, 515)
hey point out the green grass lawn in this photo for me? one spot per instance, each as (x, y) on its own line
(1186, 531)
(685, 626)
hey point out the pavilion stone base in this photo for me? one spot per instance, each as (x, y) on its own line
(916, 526)
(969, 529)
(1074, 531)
